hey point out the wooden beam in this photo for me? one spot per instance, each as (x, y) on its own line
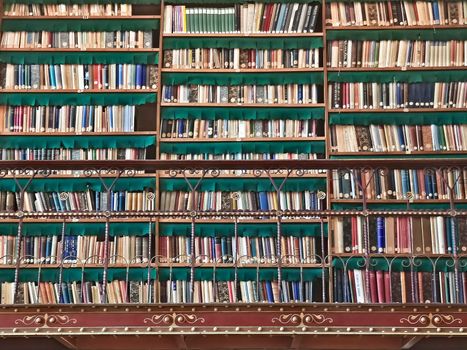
(409, 342)
(68, 342)
(296, 342)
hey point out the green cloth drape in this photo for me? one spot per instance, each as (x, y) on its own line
(242, 147)
(244, 274)
(397, 206)
(77, 229)
(242, 79)
(399, 76)
(79, 24)
(244, 43)
(76, 99)
(398, 34)
(244, 184)
(77, 184)
(76, 141)
(82, 57)
(241, 113)
(409, 118)
(244, 230)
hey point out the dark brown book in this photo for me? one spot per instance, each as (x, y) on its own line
(193, 93)
(426, 236)
(427, 287)
(372, 13)
(396, 292)
(168, 58)
(234, 94)
(363, 138)
(417, 236)
(244, 58)
(453, 12)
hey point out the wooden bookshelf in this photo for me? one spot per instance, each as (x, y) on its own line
(48, 49)
(255, 105)
(249, 35)
(245, 70)
(81, 18)
(396, 69)
(405, 27)
(242, 139)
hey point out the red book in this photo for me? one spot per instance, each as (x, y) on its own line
(387, 287)
(381, 287)
(373, 287)
(354, 234)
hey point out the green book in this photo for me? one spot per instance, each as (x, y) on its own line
(196, 20)
(188, 21)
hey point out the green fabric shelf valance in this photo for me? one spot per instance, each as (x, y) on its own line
(398, 34)
(78, 24)
(120, 141)
(77, 184)
(397, 206)
(244, 274)
(77, 229)
(399, 76)
(75, 274)
(241, 113)
(242, 79)
(244, 184)
(242, 147)
(76, 99)
(136, 2)
(82, 57)
(244, 43)
(410, 118)
(244, 230)
(217, 2)
(401, 264)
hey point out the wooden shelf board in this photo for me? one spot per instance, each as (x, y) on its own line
(76, 91)
(70, 50)
(376, 27)
(246, 35)
(243, 139)
(82, 18)
(87, 133)
(248, 175)
(253, 105)
(402, 69)
(242, 221)
(396, 201)
(397, 110)
(244, 70)
(396, 153)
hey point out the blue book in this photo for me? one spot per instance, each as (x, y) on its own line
(448, 232)
(84, 119)
(139, 76)
(253, 248)
(380, 234)
(435, 12)
(91, 116)
(404, 180)
(263, 201)
(281, 17)
(119, 76)
(300, 93)
(121, 200)
(53, 83)
(416, 186)
(224, 249)
(97, 202)
(144, 76)
(269, 292)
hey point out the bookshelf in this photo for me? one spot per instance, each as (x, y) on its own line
(297, 246)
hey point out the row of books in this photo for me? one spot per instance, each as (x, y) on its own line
(399, 138)
(239, 156)
(15, 9)
(88, 200)
(219, 58)
(119, 291)
(248, 201)
(397, 235)
(73, 119)
(79, 76)
(400, 184)
(396, 13)
(79, 40)
(399, 287)
(87, 249)
(232, 128)
(242, 18)
(396, 53)
(397, 95)
(247, 250)
(263, 94)
(73, 154)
